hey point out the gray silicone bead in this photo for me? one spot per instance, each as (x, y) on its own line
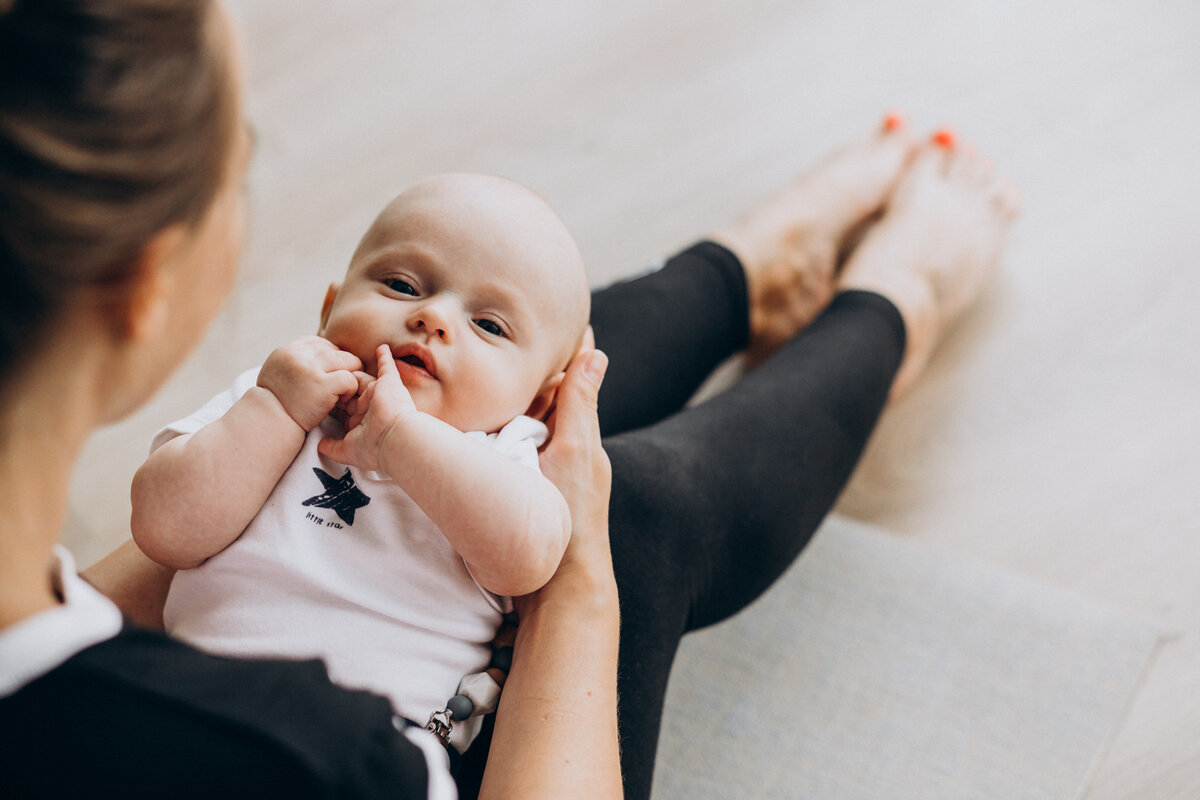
(460, 707)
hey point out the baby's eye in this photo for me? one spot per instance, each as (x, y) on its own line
(403, 287)
(489, 326)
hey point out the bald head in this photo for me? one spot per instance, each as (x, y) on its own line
(508, 227)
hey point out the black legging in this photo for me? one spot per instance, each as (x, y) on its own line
(710, 504)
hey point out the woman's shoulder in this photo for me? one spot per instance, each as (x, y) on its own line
(147, 712)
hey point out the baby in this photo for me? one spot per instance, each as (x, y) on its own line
(371, 496)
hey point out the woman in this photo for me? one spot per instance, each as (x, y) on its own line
(123, 147)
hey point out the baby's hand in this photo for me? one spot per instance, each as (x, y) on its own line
(309, 377)
(371, 416)
(351, 409)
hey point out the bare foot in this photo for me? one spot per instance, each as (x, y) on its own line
(936, 246)
(790, 245)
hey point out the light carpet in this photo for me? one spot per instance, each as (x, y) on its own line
(877, 668)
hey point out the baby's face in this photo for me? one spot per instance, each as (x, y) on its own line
(479, 291)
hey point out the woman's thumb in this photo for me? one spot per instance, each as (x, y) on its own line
(594, 368)
(578, 393)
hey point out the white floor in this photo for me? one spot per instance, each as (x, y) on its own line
(1056, 434)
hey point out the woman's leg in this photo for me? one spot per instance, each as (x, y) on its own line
(712, 504)
(666, 332)
(760, 280)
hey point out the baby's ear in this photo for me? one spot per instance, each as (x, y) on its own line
(544, 402)
(330, 295)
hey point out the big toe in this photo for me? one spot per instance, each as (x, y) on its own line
(931, 161)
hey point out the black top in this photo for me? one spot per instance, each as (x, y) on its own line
(142, 715)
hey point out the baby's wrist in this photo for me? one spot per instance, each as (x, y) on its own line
(397, 439)
(273, 411)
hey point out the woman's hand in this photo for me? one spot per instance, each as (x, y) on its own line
(575, 462)
(556, 728)
(136, 584)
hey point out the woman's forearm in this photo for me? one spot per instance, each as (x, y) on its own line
(136, 584)
(556, 728)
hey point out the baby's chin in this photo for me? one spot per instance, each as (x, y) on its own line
(490, 423)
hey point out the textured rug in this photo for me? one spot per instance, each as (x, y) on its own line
(876, 668)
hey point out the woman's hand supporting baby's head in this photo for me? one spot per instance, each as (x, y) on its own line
(561, 695)
(575, 462)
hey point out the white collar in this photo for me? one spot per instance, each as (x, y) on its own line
(38, 644)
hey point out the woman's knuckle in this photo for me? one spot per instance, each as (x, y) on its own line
(603, 467)
(569, 450)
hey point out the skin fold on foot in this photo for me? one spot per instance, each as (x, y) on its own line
(936, 246)
(791, 244)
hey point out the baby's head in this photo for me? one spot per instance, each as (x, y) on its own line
(479, 290)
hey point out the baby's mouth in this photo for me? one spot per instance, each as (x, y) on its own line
(414, 363)
(414, 360)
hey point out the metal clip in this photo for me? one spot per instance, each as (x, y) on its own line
(439, 725)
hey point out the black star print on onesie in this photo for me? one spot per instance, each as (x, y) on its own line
(341, 496)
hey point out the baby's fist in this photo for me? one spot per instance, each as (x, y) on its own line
(309, 376)
(376, 411)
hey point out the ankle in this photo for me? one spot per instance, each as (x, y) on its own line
(914, 297)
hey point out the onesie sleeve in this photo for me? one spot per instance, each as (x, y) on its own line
(519, 440)
(211, 411)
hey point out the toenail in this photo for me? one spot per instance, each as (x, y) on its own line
(944, 137)
(893, 122)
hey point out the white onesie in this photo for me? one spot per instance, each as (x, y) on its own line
(340, 564)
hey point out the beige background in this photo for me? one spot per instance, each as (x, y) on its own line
(1055, 435)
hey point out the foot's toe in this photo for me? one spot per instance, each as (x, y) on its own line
(930, 161)
(1008, 197)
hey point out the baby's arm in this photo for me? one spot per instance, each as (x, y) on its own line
(198, 492)
(507, 521)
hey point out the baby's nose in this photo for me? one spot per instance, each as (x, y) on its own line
(432, 318)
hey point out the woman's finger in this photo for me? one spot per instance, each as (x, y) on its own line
(589, 341)
(574, 460)
(575, 420)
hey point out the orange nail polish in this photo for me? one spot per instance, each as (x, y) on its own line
(893, 122)
(944, 138)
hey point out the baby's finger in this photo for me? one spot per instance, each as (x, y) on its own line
(339, 450)
(385, 364)
(349, 361)
(333, 358)
(363, 381)
(343, 382)
(355, 420)
(333, 449)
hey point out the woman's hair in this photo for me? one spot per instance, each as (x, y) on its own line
(116, 118)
